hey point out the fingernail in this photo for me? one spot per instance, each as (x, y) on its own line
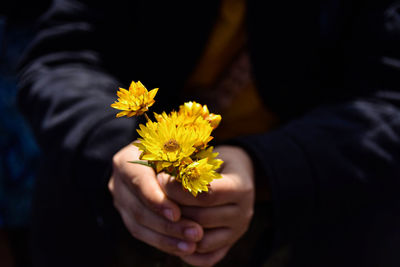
(168, 214)
(191, 233)
(183, 246)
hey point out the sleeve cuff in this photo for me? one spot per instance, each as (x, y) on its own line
(282, 165)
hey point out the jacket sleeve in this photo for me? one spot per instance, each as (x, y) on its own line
(65, 92)
(331, 160)
(339, 163)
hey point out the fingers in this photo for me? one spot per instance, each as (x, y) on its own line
(212, 217)
(235, 160)
(184, 229)
(221, 191)
(224, 212)
(206, 259)
(215, 239)
(151, 195)
(172, 237)
(142, 182)
(162, 242)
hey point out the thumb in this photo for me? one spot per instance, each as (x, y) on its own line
(150, 193)
(141, 181)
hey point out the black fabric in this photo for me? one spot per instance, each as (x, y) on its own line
(327, 69)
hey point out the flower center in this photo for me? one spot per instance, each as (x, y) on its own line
(171, 145)
(194, 174)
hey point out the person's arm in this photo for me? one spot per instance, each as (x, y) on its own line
(224, 212)
(65, 92)
(331, 160)
(340, 158)
(333, 173)
(329, 173)
(146, 211)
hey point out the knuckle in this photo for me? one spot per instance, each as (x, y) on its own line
(133, 182)
(249, 214)
(248, 190)
(115, 160)
(111, 185)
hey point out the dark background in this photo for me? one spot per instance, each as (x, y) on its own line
(19, 154)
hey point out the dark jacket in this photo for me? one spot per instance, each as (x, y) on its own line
(328, 70)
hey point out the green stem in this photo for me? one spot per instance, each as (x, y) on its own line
(145, 163)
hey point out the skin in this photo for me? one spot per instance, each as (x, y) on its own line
(217, 218)
(224, 212)
(146, 211)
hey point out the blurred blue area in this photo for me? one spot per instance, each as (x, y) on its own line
(19, 154)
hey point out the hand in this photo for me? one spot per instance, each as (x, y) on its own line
(146, 211)
(224, 212)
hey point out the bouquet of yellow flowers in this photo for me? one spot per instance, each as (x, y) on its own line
(175, 143)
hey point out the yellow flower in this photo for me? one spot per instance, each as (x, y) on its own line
(214, 119)
(203, 130)
(192, 110)
(165, 142)
(200, 127)
(210, 156)
(196, 176)
(136, 101)
(172, 116)
(169, 167)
